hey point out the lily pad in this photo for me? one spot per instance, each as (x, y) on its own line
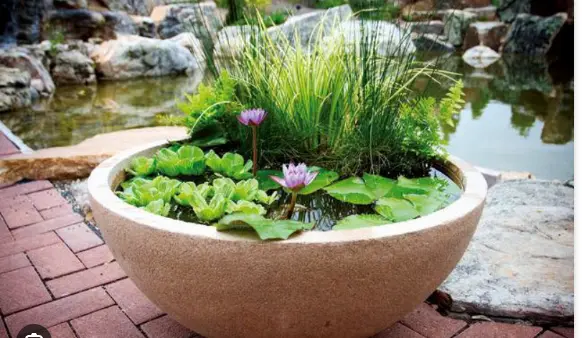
(396, 210)
(265, 182)
(265, 228)
(380, 186)
(352, 190)
(426, 204)
(323, 179)
(360, 221)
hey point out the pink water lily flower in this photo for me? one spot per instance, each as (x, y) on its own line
(295, 177)
(252, 117)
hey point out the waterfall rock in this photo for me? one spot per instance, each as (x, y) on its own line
(124, 24)
(72, 67)
(40, 77)
(145, 26)
(14, 89)
(70, 4)
(232, 39)
(533, 35)
(81, 24)
(436, 27)
(488, 34)
(134, 56)
(488, 13)
(480, 57)
(432, 42)
(202, 19)
(191, 43)
(456, 24)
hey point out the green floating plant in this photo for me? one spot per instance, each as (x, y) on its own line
(186, 191)
(231, 165)
(141, 192)
(360, 221)
(187, 160)
(142, 166)
(158, 207)
(265, 228)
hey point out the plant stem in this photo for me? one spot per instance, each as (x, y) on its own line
(255, 151)
(291, 205)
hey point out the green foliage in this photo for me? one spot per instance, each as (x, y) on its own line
(245, 207)
(495, 3)
(231, 165)
(360, 221)
(395, 209)
(158, 207)
(325, 4)
(142, 166)
(351, 190)
(141, 192)
(210, 105)
(265, 181)
(209, 210)
(265, 228)
(452, 103)
(259, 18)
(187, 160)
(184, 194)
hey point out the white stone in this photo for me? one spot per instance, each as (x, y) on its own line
(480, 56)
(232, 39)
(191, 43)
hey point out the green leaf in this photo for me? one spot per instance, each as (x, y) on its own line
(323, 179)
(185, 192)
(351, 190)
(360, 221)
(246, 190)
(158, 207)
(396, 210)
(140, 192)
(187, 160)
(426, 204)
(263, 197)
(142, 166)
(245, 207)
(209, 211)
(265, 181)
(231, 165)
(224, 186)
(265, 228)
(378, 185)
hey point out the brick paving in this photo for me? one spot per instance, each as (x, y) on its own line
(56, 272)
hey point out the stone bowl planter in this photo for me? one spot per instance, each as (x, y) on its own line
(349, 283)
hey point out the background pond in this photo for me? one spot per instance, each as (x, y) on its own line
(519, 114)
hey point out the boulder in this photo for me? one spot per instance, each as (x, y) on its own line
(191, 43)
(304, 25)
(456, 24)
(145, 26)
(533, 35)
(520, 262)
(78, 161)
(134, 7)
(202, 19)
(389, 38)
(509, 9)
(480, 57)
(134, 56)
(41, 80)
(123, 23)
(70, 4)
(459, 4)
(490, 34)
(73, 67)
(80, 24)
(432, 43)
(487, 13)
(232, 39)
(23, 19)
(426, 27)
(14, 89)
(414, 16)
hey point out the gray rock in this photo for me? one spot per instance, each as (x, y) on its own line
(232, 39)
(123, 23)
(456, 24)
(480, 57)
(389, 38)
(134, 56)
(145, 26)
(488, 13)
(520, 262)
(191, 43)
(80, 24)
(40, 77)
(202, 19)
(490, 34)
(509, 9)
(14, 89)
(432, 43)
(136, 7)
(569, 183)
(305, 24)
(70, 4)
(533, 35)
(436, 27)
(72, 67)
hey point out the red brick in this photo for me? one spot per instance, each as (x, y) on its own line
(79, 237)
(110, 323)
(3, 332)
(13, 262)
(500, 330)
(21, 289)
(85, 279)
(426, 321)
(54, 261)
(38, 241)
(165, 327)
(57, 211)
(47, 199)
(4, 232)
(20, 213)
(61, 310)
(96, 256)
(25, 188)
(46, 226)
(398, 331)
(132, 301)
(550, 334)
(62, 331)
(567, 332)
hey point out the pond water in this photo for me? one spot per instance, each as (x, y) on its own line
(519, 114)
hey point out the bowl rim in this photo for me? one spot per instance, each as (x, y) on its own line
(102, 196)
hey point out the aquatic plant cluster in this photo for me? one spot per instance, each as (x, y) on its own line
(342, 107)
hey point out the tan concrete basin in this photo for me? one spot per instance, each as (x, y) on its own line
(349, 283)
